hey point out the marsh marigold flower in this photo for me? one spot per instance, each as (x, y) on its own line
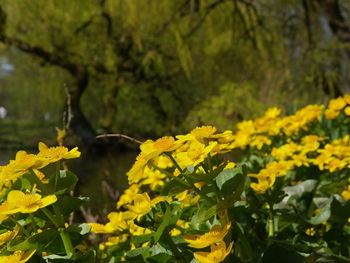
(218, 252)
(216, 234)
(53, 154)
(18, 201)
(9, 235)
(143, 204)
(18, 257)
(201, 133)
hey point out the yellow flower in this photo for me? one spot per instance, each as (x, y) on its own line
(230, 165)
(347, 111)
(150, 150)
(272, 113)
(142, 204)
(279, 168)
(204, 132)
(100, 228)
(164, 144)
(337, 104)
(322, 160)
(187, 199)
(60, 135)
(215, 235)
(310, 231)
(218, 252)
(259, 141)
(300, 160)
(336, 164)
(18, 167)
(266, 179)
(128, 196)
(116, 240)
(9, 235)
(18, 257)
(346, 193)
(120, 220)
(17, 201)
(331, 114)
(263, 185)
(154, 178)
(181, 224)
(54, 154)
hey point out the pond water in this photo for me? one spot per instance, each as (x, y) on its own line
(102, 176)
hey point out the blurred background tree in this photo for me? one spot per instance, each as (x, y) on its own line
(149, 68)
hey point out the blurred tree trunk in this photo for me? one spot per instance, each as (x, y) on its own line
(79, 123)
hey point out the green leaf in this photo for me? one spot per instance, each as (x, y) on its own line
(37, 241)
(141, 239)
(226, 175)
(82, 229)
(172, 214)
(137, 252)
(334, 187)
(65, 182)
(68, 204)
(203, 214)
(194, 178)
(242, 245)
(161, 258)
(165, 222)
(172, 188)
(323, 215)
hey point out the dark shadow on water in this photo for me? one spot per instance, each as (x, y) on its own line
(102, 176)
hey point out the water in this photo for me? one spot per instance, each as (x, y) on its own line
(101, 176)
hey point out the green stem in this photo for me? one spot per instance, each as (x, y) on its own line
(209, 162)
(218, 193)
(178, 255)
(172, 176)
(67, 242)
(184, 183)
(174, 162)
(271, 222)
(33, 222)
(50, 216)
(57, 174)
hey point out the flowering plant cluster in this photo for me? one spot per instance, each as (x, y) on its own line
(35, 203)
(276, 189)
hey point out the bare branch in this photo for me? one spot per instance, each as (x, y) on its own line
(119, 136)
(207, 11)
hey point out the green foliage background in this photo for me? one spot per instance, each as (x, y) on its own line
(158, 67)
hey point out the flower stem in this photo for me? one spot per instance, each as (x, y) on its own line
(50, 216)
(271, 222)
(178, 255)
(33, 222)
(174, 162)
(67, 242)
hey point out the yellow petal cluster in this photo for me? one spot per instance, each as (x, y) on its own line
(18, 201)
(215, 235)
(18, 257)
(24, 162)
(218, 252)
